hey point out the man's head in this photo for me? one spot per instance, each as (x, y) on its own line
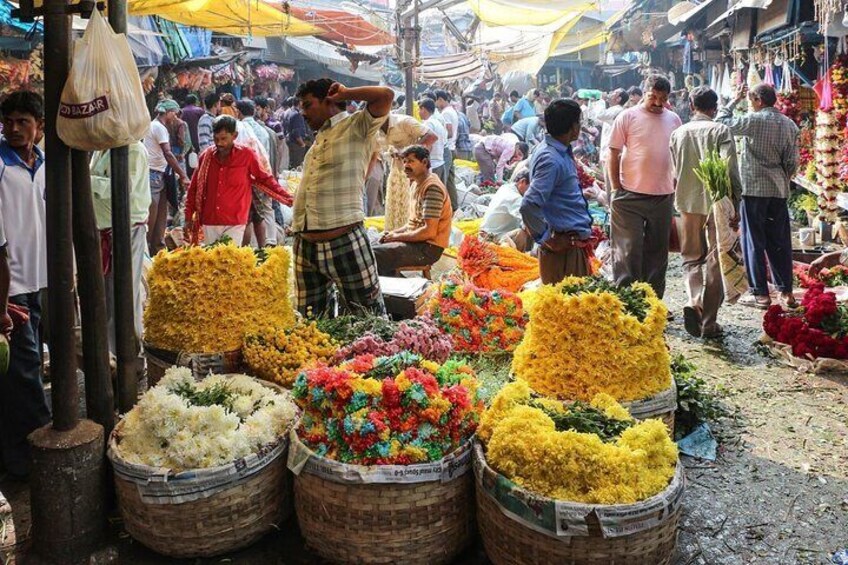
(521, 180)
(167, 111)
(262, 106)
(416, 161)
(619, 97)
(704, 100)
(23, 118)
(762, 96)
(211, 102)
(316, 107)
(225, 132)
(634, 94)
(443, 99)
(429, 95)
(191, 100)
(426, 108)
(287, 103)
(514, 97)
(562, 120)
(656, 96)
(498, 96)
(400, 100)
(246, 108)
(522, 150)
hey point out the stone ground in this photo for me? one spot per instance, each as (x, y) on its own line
(777, 495)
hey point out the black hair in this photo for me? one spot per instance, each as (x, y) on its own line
(261, 101)
(561, 115)
(658, 83)
(621, 97)
(246, 107)
(23, 102)
(514, 93)
(401, 99)
(523, 147)
(765, 93)
(418, 151)
(443, 95)
(211, 100)
(634, 90)
(429, 95)
(521, 174)
(191, 99)
(704, 99)
(428, 105)
(225, 123)
(319, 89)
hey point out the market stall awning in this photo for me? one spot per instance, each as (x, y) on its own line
(326, 54)
(741, 5)
(234, 17)
(517, 13)
(450, 67)
(344, 27)
(685, 11)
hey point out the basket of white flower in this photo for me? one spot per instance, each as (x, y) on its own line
(200, 467)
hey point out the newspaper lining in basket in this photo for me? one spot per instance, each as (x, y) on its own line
(558, 518)
(783, 353)
(450, 467)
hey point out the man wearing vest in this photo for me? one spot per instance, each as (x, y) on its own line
(23, 407)
(422, 241)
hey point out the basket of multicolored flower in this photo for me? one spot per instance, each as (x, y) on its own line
(578, 483)
(200, 467)
(202, 301)
(587, 336)
(382, 459)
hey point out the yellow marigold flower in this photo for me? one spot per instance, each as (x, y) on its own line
(512, 395)
(610, 407)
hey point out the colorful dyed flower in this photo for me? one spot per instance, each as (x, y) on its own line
(496, 267)
(420, 335)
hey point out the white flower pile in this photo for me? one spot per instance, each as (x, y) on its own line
(165, 430)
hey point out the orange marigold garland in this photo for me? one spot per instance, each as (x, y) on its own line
(495, 267)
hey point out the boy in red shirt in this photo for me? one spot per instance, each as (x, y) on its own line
(220, 193)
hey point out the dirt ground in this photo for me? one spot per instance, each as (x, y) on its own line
(777, 495)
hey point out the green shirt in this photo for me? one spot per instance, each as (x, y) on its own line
(101, 186)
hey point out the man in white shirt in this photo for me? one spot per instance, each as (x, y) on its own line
(503, 217)
(160, 157)
(617, 99)
(451, 119)
(23, 407)
(427, 109)
(472, 110)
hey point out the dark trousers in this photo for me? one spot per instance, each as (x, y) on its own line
(23, 406)
(296, 155)
(396, 254)
(449, 177)
(766, 234)
(553, 266)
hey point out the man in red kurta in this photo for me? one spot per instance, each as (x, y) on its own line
(220, 193)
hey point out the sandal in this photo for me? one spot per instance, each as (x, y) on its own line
(754, 301)
(692, 320)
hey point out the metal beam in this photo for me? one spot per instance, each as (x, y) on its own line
(445, 4)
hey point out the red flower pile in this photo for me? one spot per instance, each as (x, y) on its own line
(819, 330)
(835, 276)
(806, 147)
(584, 178)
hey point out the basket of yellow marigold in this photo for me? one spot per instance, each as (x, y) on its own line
(278, 355)
(575, 482)
(202, 301)
(588, 336)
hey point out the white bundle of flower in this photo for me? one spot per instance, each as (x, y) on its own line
(182, 424)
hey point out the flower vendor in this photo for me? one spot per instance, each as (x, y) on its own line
(423, 239)
(220, 194)
(554, 208)
(502, 219)
(331, 247)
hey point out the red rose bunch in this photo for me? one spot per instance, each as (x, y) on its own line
(818, 330)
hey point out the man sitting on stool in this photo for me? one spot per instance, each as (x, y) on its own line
(422, 241)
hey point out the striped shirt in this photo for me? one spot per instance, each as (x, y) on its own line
(334, 170)
(431, 204)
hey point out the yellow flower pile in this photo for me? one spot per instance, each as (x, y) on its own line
(278, 355)
(204, 300)
(522, 443)
(579, 345)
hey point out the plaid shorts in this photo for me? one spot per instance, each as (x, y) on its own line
(346, 263)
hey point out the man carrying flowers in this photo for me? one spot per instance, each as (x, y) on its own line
(331, 247)
(554, 208)
(423, 239)
(220, 193)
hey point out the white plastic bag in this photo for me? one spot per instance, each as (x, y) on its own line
(102, 104)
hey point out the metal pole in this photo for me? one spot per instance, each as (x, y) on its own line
(60, 255)
(126, 342)
(99, 399)
(410, 41)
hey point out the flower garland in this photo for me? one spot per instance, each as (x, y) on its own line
(205, 299)
(478, 320)
(278, 355)
(420, 335)
(819, 330)
(827, 146)
(496, 267)
(181, 424)
(541, 447)
(587, 337)
(396, 410)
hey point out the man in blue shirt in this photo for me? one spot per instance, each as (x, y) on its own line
(530, 130)
(554, 208)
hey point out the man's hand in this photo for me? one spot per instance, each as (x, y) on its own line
(824, 262)
(184, 181)
(337, 93)
(386, 237)
(6, 325)
(734, 221)
(742, 93)
(188, 226)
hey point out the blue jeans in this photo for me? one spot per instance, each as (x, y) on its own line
(766, 234)
(23, 407)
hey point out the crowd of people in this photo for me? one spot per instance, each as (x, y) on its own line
(214, 171)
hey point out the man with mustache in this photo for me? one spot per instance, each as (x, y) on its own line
(421, 241)
(642, 183)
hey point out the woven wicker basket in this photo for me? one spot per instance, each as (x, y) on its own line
(355, 522)
(204, 512)
(201, 364)
(509, 539)
(662, 405)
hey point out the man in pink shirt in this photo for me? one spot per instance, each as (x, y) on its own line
(498, 152)
(642, 183)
